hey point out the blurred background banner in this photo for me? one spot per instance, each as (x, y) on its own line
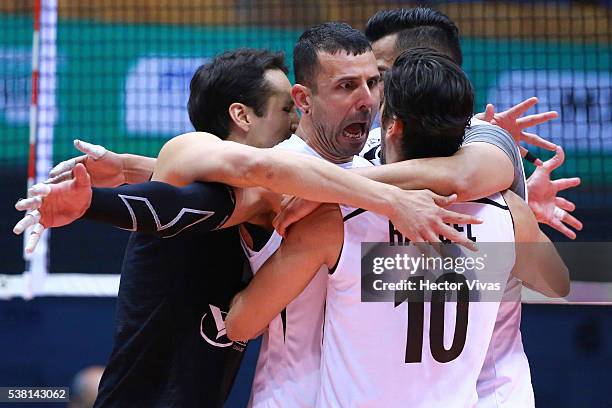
(121, 72)
(118, 74)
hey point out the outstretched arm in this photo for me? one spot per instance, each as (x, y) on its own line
(204, 157)
(153, 207)
(467, 173)
(106, 168)
(314, 241)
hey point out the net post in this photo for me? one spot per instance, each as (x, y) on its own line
(42, 121)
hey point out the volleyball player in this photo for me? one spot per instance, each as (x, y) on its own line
(505, 378)
(366, 360)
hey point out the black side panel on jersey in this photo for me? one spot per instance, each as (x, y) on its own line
(162, 209)
(259, 235)
(486, 200)
(170, 345)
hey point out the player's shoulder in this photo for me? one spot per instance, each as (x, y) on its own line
(322, 230)
(360, 215)
(359, 161)
(294, 142)
(480, 128)
(191, 138)
(495, 199)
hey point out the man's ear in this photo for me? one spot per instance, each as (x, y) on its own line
(239, 114)
(301, 96)
(395, 131)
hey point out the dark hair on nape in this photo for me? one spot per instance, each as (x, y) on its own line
(232, 77)
(417, 27)
(331, 38)
(434, 99)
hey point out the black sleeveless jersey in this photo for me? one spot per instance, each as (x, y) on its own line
(170, 344)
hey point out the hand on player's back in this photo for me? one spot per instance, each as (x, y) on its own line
(418, 214)
(104, 166)
(421, 217)
(54, 205)
(292, 210)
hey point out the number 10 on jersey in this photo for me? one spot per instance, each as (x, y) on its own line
(416, 313)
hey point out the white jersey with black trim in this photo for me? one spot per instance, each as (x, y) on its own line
(505, 378)
(288, 368)
(505, 381)
(365, 345)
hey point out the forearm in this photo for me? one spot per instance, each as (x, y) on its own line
(317, 180)
(137, 169)
(161, 209)
(544, 271)
(204, 157)
(432, 173)
(314, 241)
(467, 173)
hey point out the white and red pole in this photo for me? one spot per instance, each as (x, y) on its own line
(34, 99)
(43, 112)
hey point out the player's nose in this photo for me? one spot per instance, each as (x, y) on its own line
(369, 98)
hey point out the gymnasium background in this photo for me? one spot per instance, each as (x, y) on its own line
(116, 73)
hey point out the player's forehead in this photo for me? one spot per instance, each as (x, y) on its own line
(277, 81)
(279, 87)
(386, 45)
(385, 50)
(344, 64)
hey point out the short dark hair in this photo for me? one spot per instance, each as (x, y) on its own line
(417, 27)
(434, 99)
(331, 37)
(234, 76)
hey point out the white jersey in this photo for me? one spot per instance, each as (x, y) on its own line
(366, 344)
(288, 368)
(505, 380)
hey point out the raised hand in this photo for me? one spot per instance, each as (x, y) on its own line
(292, 210)
(54, 205)
(543, 201)
(513, 123)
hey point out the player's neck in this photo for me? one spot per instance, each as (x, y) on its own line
(238, 137)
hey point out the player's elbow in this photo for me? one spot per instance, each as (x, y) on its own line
(461, 186)
(557, 285)
(238, 329)
(239, 324)
(565, 290)
(562, 286)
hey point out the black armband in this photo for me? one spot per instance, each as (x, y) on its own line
(530, 157)
(162, 209)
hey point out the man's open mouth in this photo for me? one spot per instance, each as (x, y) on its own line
(355, 130)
